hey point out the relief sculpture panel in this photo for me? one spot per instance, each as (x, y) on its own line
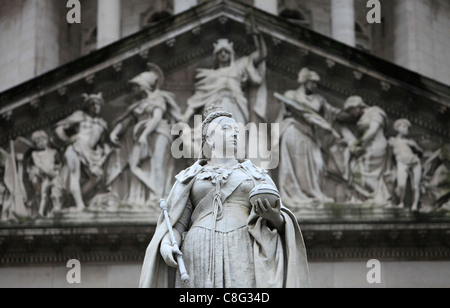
(339, 152)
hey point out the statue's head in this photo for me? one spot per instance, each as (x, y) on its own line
(309, 79)
(148, 81)
(40, 139)
(355, 106)
(219, 134)
(223, 52)
(94, 102)
(402, 126)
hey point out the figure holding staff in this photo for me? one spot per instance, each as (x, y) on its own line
(228, 240)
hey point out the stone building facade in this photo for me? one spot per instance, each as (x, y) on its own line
(47, 65)
(413, 34)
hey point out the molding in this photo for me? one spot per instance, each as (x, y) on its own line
(128, 242)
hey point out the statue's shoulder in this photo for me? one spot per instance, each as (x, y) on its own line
(189, 173)
(376, 111)
(255, 171)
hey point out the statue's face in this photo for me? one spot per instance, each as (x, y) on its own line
(95, 107)
(356, 111)
(152, 81)
(223, 137)
(311, 85)
(224, 56)
(41, 142)
(403, 129)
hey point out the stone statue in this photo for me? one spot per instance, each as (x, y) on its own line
(407, 163)
(44, 173)
(305, 123)
(226, 79)
(437, 176)
(84, 132)
(369, 152)
(12, 191)
(225, 240)
(4, 193)
(143, 134)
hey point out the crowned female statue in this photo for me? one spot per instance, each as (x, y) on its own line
(227, 240)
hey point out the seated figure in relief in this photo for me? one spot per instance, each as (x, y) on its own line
(437, 176)
(306, 128)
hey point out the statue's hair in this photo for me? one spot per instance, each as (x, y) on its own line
(307, 75)
(400, 122)
(92, 98)
(354, 101)
(211, 113)
(38, 134)
(224, 44)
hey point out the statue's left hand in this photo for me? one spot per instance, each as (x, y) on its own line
(271, 213)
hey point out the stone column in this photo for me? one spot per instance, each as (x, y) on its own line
(108, 22)
(180, 6)
(343, 21)
(270, 6)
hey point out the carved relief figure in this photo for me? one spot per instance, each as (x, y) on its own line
(84, 132)
(12, 191)
(369, 151)
(227, 79)
(408, 163)
(306, 117)
(144, 136)
(226, 240)
(437, 176)
(4, 193)
(44, 173)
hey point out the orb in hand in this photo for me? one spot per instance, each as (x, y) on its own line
(264, 191)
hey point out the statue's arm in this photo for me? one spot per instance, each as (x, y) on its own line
(64, 128)
(370, 133)
(261, 48)
(413, 144)
(167, 250)
(428, 165)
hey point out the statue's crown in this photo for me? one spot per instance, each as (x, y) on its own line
(212, 109)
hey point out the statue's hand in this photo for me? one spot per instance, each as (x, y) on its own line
(168, 252)
(271, 213)
(143, 141)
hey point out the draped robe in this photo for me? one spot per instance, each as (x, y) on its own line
(279, 258)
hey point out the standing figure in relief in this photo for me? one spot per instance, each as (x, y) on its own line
(437, 173)
(144, 136)
(44, 173)
(12, 191)
(369, 151)
(407, 162)
(226, 80)
(4, 193)
(305, 122)
(85, 132)
(226, 241)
